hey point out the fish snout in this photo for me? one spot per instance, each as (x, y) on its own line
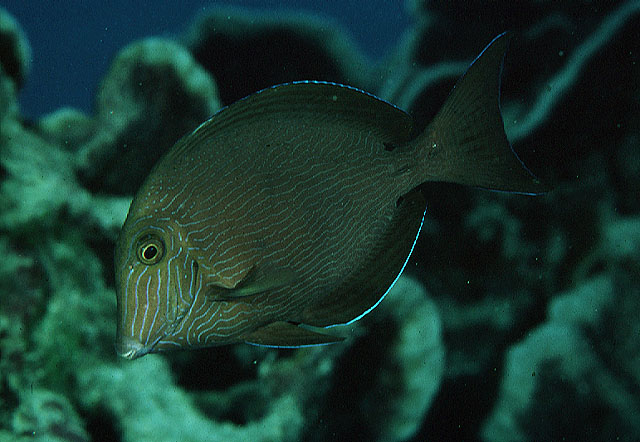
(130, 348)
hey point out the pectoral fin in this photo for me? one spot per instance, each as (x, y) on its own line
(285, 334)
(259, 279)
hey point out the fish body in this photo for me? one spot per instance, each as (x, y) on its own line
(296, 207)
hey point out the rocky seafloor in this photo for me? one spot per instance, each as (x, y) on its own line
(518, 318)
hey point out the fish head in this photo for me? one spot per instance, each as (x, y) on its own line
(157, 282)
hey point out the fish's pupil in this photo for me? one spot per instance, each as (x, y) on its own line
(150, 252)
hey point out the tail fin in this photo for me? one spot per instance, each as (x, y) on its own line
(466, 142)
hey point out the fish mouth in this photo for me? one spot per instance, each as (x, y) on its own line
(131, 349)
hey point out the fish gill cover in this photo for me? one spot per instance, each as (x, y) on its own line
(517, 318)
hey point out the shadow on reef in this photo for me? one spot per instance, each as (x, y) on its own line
(231, 368)
(246, 53)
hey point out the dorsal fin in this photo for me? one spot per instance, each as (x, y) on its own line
(368, 285)
(321, 100)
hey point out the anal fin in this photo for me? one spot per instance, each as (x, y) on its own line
(287, 335)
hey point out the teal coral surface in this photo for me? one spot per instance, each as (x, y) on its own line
(517, 317)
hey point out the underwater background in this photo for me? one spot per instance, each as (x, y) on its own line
(517, 318)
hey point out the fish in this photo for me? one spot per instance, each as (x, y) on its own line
(296, 209)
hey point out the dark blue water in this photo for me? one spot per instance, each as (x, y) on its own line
(73, 42)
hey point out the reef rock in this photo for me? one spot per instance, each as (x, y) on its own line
(153, 94)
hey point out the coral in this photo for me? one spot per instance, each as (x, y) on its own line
(66, 127)
(153, 94)
(558, 86)
(33, 168)
(46, 416)
(494, 263)
(14, 64)
(149, 406)
(412, 363)
(579, 46)
(572, 359)
(8, 102)
(15, 52)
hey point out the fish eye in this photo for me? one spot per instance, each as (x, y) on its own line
(150, 249)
